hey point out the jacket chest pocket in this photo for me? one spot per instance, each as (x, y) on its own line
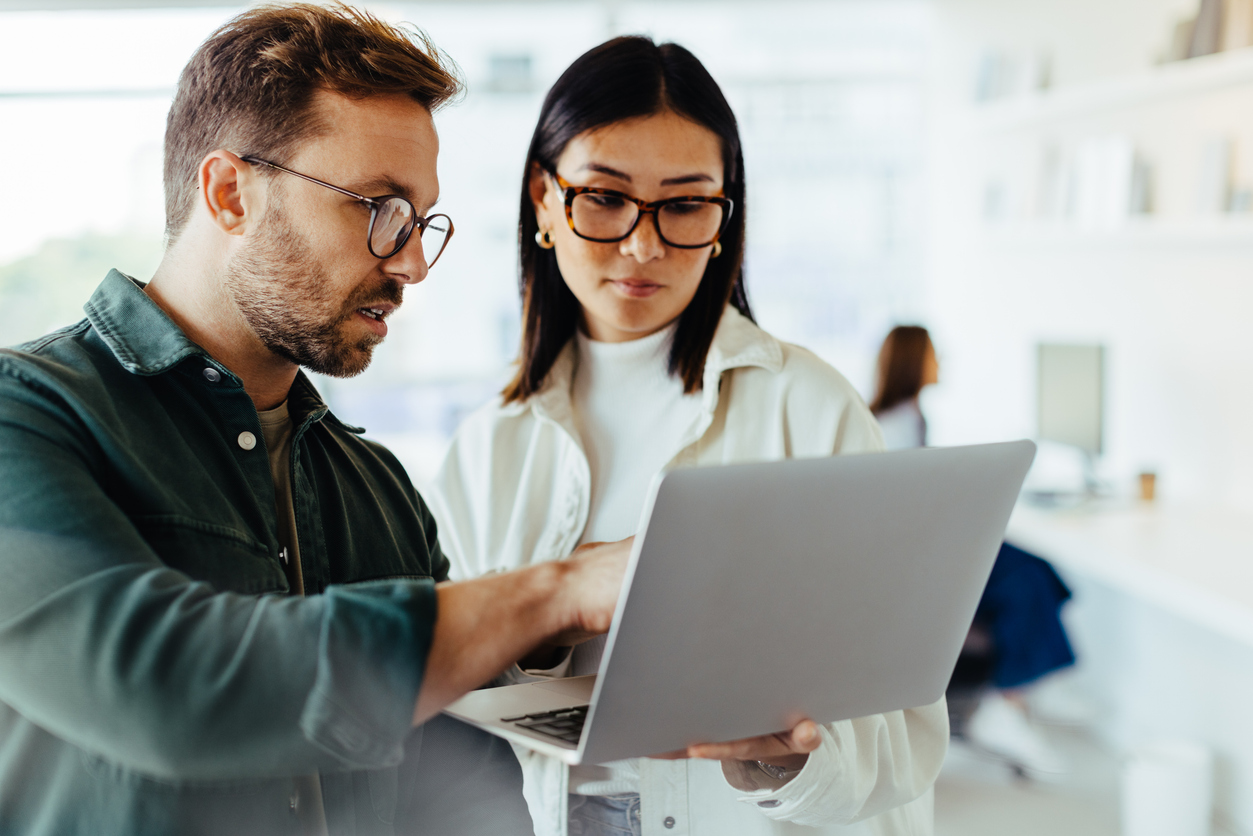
(229, 559)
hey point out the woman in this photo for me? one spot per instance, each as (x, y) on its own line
(1018, 635)
(907, 364)
(639, 352)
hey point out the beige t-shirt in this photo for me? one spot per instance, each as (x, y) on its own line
(277, 427)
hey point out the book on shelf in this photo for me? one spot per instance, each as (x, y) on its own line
(1207, 32)
(1237, 24)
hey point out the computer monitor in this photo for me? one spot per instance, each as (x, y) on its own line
(1071, 396)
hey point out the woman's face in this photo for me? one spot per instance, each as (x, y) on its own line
(637, 286)
(930, 367)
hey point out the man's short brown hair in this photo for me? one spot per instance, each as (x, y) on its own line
(249, 88)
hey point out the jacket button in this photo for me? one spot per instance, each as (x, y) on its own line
(668, 822)
(212, 375)
(247, 440)
(294, 802)
(769, 802)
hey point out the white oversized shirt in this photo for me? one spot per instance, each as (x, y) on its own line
(515, 490)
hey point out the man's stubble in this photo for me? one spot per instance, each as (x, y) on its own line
(285, 296)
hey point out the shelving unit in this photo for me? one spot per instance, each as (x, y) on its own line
(1164, 117)
(1159, 84)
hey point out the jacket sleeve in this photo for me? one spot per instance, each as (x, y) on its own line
(111, 650)
(862, 768)
(452, 499)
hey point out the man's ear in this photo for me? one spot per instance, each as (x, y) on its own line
(540, 185)
(228, 189)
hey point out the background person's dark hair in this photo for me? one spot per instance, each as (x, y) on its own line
(621, 79)
(901, 364)
(249, 87)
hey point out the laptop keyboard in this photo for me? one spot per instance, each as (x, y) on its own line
(565, 724)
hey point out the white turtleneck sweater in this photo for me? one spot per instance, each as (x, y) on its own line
(631, 414)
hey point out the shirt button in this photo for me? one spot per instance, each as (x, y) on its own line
(294, 802)
(769, 802)
(247, 440)
(212, 375)
(669, 822)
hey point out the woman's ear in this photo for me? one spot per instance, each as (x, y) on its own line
(540, 185)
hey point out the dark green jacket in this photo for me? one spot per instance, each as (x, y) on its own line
(154, 675)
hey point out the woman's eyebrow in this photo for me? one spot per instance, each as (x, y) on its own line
(669, 181)
(611, 172)
(687, 178)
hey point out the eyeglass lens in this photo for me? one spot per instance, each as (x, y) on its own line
(393, 223)
(685, 223)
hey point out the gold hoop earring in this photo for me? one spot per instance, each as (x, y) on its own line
(544, 239)
(717, 249)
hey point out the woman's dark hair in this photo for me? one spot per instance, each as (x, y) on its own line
(901, 363)
(621, 79)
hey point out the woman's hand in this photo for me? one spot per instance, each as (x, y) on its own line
(788, 749)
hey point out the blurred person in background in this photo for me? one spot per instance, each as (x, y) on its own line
(1017, 637)
(639, 352)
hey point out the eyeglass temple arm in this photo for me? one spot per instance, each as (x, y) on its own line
(258, 161)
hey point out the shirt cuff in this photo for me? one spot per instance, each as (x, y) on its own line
(791, 799)
(515, 675)
(558, 671)
(372, 655)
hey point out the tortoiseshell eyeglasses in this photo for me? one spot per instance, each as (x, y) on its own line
(606, 216)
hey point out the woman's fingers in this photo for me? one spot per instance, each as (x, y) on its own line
(782, 747)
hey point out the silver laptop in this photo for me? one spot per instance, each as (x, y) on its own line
(759, 594)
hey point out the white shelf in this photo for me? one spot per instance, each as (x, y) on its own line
(1168, 81)
(1234, 231)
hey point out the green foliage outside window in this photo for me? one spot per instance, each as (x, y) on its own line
(47, 289)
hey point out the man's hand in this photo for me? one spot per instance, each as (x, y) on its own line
(590, 592)
(789, 749)
(484, 625)
(603, 556)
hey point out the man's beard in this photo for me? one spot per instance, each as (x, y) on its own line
(286, 298)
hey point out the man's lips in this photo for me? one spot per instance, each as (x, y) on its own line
(374, 316)
(636, 288)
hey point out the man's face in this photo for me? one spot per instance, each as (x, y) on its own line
(304, 280)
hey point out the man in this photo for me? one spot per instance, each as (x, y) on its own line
(221, 609)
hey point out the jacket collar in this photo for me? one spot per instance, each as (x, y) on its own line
(140, 335)
(737, 343)
(147, 342)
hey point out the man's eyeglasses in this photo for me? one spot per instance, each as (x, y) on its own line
(606, 216)
(392, 220)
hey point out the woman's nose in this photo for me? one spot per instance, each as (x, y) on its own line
(644, 244)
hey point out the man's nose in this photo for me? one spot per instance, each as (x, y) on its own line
(644, 244)
(408, 266)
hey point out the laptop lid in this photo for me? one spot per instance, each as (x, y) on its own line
(825, 588)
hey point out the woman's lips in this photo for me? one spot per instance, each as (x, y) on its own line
(635, 288)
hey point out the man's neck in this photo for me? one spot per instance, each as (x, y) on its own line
(192, 293)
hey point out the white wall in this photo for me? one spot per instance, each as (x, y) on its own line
(1173, 308)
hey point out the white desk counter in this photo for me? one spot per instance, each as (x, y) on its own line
(1196, 563)
(1162, 624)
